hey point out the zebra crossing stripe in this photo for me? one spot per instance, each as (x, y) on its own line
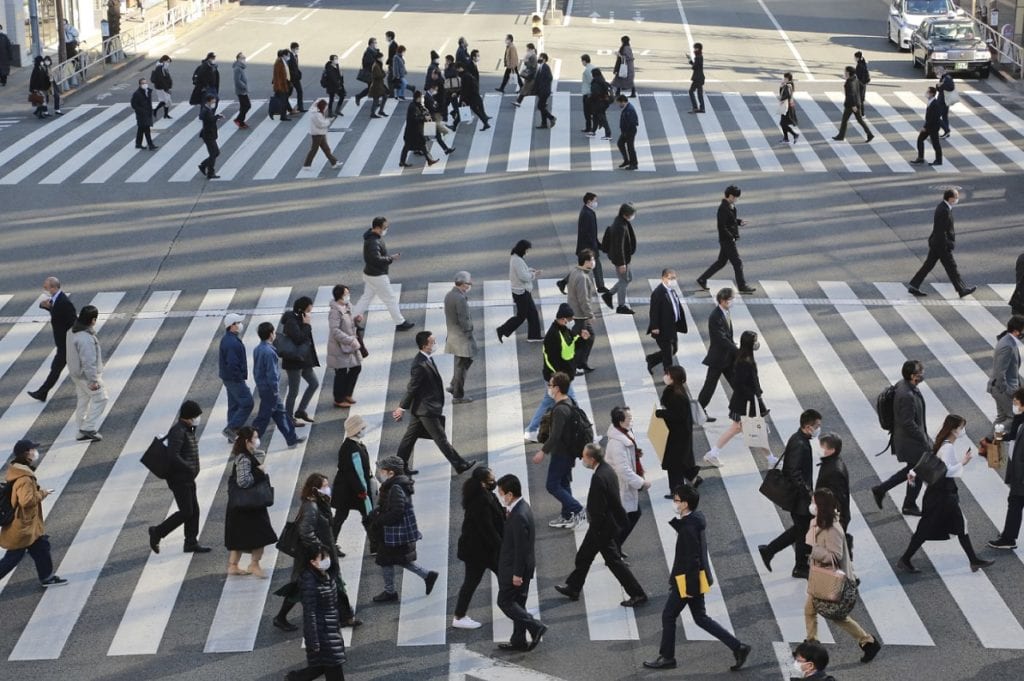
(237, 619)
(965, 148)
(560, 150)
(21, 333)
(435, 151)
(188, 170)
(522, 136)
(803, 151)
(679, 146)
(979, 125)
(480, 148)
(86, 154)
(827, 129)
(284, 151)
(756, 141)
(880, 145)
(180, 110)
(245, 151)
(360, 154)
(644, 157)
(896, 621)
(904, 129)
(506, 451)
(42, 134)
(61, 145)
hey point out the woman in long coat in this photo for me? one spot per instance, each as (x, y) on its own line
(675, 410)
(624, 56)
(247, 530)
(483, 525)
(746, 388)
(344, 349)
(353, 484)
(321, 630)
(295, 324)
(378, 88)
(415, 116)
(281, 85)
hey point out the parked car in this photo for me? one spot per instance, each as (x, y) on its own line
(906, 15)
(952, 43)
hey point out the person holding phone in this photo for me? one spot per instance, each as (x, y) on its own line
(940, 513)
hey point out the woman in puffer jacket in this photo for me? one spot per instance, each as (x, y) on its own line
(325, 648)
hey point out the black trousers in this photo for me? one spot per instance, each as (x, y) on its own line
(898, 478)
(598, 541)
(476, 105)
(583, 347)
(667, 346)
(670, 617)
(627, 148)
(542, 107)
(244, 104)
(143, 131)
(341, 515)
(697, 95)
(187, 513)
(297, 86)
(932, 135)
(948, 262)
(512, 602)
(794, 536)
(310, 673)
(526, 311)
(427, 427)
(727, 253)
(60, 360)
(600, 119)
(474, 573)
(212, 152)
(421, 148)
(1014, 510)
(509, 72)
(711, 383)
(588, 115)
(345, 382)
(847, 112)
(330, 101)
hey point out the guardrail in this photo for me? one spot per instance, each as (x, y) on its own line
(1008, 54)
(88, 64)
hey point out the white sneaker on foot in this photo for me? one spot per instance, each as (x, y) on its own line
(564, 523)
(712, 460)
(530, 435)
(465, 623)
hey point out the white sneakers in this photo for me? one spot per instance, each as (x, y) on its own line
(466, 622)
(570, 523)
(530, 435)
(711, 459)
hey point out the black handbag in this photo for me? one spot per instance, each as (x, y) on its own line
(155, 458)
(289, 541)
(260, 495)
(780, 489)
(287, 349)
(930, 469)
(363, 76)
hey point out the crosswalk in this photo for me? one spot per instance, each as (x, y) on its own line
(832, 325)
(739, 133)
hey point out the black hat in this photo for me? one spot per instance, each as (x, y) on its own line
(190, 409)
(392, 463)
(565, 312)
(23, 446)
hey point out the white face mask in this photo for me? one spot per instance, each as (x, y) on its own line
(593, 205)
(592, 263)
(240, 327)
(678, 507)
(799, 667)
(326, 490)
(757, 345)
(1017, 409)
(384, 232)
(960, 432)
(324, 564)
(666, 379)
(197, 420)
(816, 433)
(346, 298)
(813, 508)
(256, 443)
(33, 456)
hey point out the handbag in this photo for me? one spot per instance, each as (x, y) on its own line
(430, 129)
(755, 429)
(783, 107)
(155, 458)
(36, 98)
(363, 76)
(289, 541)
(951, 97)
(780, 488)
(287, 349)
(657, 434)
(930, 469)
(451, 84)
(260, 495)
(623, 70)
(846, 599)
(824, 583)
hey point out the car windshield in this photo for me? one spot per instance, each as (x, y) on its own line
(928, 6)
(952, 32)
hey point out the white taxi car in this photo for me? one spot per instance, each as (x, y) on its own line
(906, 15)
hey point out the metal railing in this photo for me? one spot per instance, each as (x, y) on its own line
(89, 64)
(1008, 54)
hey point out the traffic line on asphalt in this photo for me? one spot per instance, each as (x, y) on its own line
(963, 147)
(320, 160)
(245, 151)
(86, 154)
(21, 333)
(999, 142)
(187, 171)
(679, 146)
(560, 151)
(716, 139)
(644, 157)
(880, 145)
(42, 133)
(60, 146)
(908, 132)
(282, 154)
(803, 151)
(522, 136)
(360, 154)
(756, 141)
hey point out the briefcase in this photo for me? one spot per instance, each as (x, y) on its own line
(155, 458)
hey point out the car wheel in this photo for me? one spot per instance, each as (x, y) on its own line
(984, 73)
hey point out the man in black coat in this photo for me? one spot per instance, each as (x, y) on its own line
(910, 440)
(667, 320)
(470, 93)
(852, 106)
(728, 234)
(863, 76)
(607, 518)
(208, 134)
(940, 248)
(833, 476)
(62, 318)
(425, 397)
(697, 79)
(295, 74)
(542, 88)
(721, 348)
(586, 237)
(516, 564)
(370, 55)
(142, 105)
(183, 454)
(205, 80)
(620, 247)
(1017, 298)
(930, 131)
(798, 467)
(6, 57)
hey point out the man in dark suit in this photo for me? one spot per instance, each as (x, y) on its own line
(295, 74)
(516, 563)
(940, 248)
(607, 518)
(910, 440)
(425, 396)
(721, 349)
(629, 124)
(852, 106)
(667, 320)
(697, 79)
(542, 88)
(932, 123)
(62, 318)
(728, 234)
(208, 134)
(798, 467)
(833, 476)
(142, 105)
(586, 237)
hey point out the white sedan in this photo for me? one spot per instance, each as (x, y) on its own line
(906, 15)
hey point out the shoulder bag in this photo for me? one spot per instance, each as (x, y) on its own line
(930, 470)
(845, 600)
(260, 495)
(155, 458)
(780, 489)
(623, 71)
(286, 347)
(755, 429)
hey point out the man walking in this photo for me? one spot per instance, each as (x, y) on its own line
(62, 318)
(559, 476)
(721, 349)
(586, 237)
(142, 105)
(833, 476)
(728, 234)
(233, 369)
(266, 372)
(516, 565)
(542, 88)
(621, 245)
(863, 76)
(1005, 377)
(910, 440)
(460, 341)
(183, 455)
(580, 296)
(945, 95)
(529, 74)
(85, 367)
(295, 74)
(940, 248)
(370, 55)
(697, 79)
(241, 90)
(376, 263)
(424, 396)
(852, 106)
(930, 131)
(209, 118)
(585, 83)
(606, 520)
(162, 83)
(205, 81)
(629, 123)
(511, 63)
(6, 57)
(559, 354)
(797, 467)
(470, 93)
(666, 321)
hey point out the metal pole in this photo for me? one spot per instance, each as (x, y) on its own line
(33, 13)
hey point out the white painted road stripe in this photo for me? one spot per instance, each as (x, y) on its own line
(756, 141)
(61, 145)
(480, 147)
(522, 136)
(679, 146)
(827, 129)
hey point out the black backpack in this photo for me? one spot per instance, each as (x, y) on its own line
(885, 406)
(6, 503)
(323, 79)
(579, 431)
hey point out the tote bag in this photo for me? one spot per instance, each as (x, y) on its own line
(755, 429)
(623, 71)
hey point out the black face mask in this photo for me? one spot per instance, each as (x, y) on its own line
(491, 486)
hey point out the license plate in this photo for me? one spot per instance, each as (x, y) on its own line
(961, 66)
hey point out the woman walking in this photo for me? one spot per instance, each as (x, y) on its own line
(521, 276)
(622, 454)
(625, 69)
(483, 525)
(321, 630)
(787, 108)
(675, 411)
(247, 530)
(344, 347)
(334, 85)
(746, 388)
(827, 540)
(352, 489)
(378, 88)
(319, 124)
(281, 85)
(39, 86)
(399, 73)
(314, 527)
(1007, 538)
(940, 511)
(295, 324)
(415, 116)
(600, 99)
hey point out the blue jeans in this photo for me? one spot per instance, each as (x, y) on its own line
(388, 572)
(545, 404)
(272, 408)
(400, 87)
(240, 403)
(40, 552)
(559, 483)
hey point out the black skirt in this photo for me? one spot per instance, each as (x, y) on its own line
(941, 516)
(246, 530)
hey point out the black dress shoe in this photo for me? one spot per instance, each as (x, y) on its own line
(624, 164)
(968, 291)
(661, 663)
(800, 573)
(624, 309)
(587, 368)
(870, 650)
(465, 466)
(517, 647)
(741, 657)
(430, 580)
(301, 414)
(702, 285)
(412, 471)
(906, 566)
(501, 339)
(37, 395)
(697, 482)
(196, 548)
(917, 162)
(607, 298)
(154, 541)
(879, 494)
(537, 636)
(634, 601)
(567, 592)
(911, 509)
(284, 625)
(766, 556)
(916, 291)
(386, 597)
(980, 563)
(561, 285)
(748, 289)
